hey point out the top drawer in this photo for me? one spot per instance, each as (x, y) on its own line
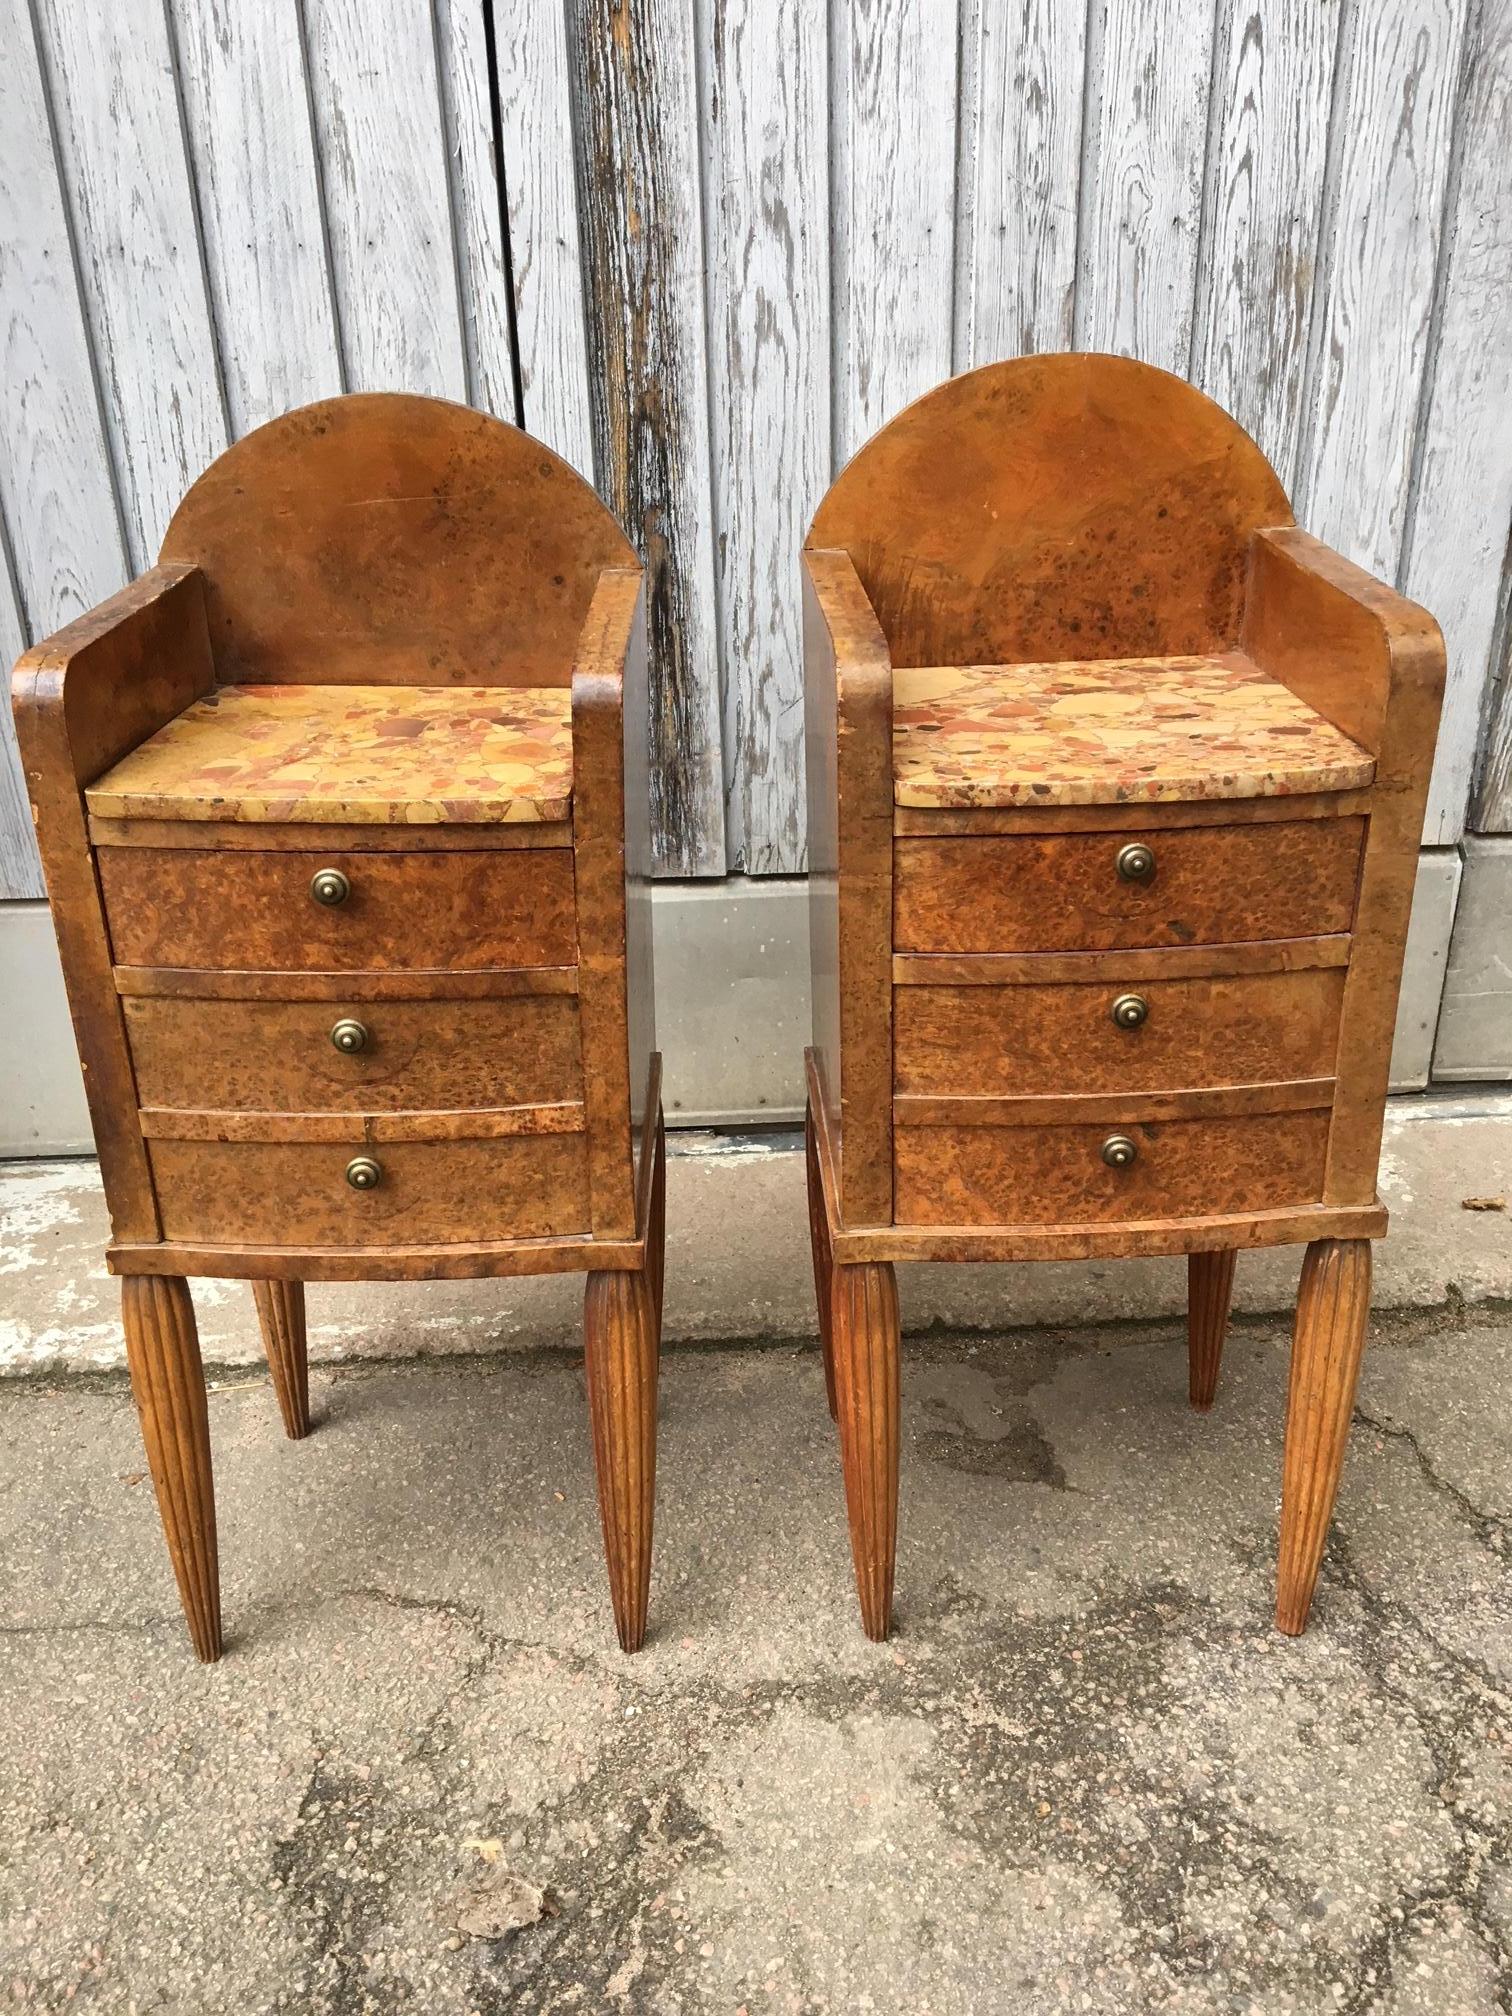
(243, 911)
(1204, 885)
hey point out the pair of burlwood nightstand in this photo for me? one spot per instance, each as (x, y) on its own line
(1116, 780)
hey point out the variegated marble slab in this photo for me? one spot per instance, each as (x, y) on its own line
(1107, 732)
(353, 755)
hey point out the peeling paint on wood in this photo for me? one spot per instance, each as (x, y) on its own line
(638, 193)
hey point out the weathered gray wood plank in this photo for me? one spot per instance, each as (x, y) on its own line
(1462, 510)
(767, 189)
(1493, 803)
(20, 870)
(247, 108)
(1023, 160)
(1274, 70)
(477, 217)
(893, 124)
(380, 132)
(1148, 64)
(638, 196)
(55, 479)
(1372, 306)
(535, 118)
(126, 171)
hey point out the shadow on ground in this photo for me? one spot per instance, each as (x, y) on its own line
(1086, 1774)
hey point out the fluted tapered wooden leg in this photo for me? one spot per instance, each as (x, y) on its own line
(281, 1312)
(864, 1302)
(168, 1384)
(656, 1225)
(619, 1330)
(819, 1240)
(1210, 1288)
(1333, 1305)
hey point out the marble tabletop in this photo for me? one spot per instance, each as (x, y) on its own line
(353, 755)
(1108, 732)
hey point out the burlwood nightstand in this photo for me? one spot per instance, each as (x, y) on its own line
(345, 834)
(1116, 780)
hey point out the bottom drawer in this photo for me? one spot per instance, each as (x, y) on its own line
(1056, 1175)
(429, 1193)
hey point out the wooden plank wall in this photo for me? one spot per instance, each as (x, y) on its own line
(704, 247)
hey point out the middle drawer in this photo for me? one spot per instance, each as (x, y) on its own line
(354, 1056)
(1143, 1034)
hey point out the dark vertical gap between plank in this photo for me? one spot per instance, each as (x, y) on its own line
(1092, 67)
(1301, 479)
(47, 84)
(501, 187)
(1470, 40)
(1225, 13)
(322, 196)
(175, 65)
(449, 107)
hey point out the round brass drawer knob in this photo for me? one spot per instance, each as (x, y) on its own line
(329, 887)
(349, 1036)
(1136, 862)
(1118, 1151)
(363, 1173)
(1128, 1011)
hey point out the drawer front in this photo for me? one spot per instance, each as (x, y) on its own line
(1249, 1029)
(1056, 1175)
(180, 906)
(415, 1056)
(429, 1193)
(1210, 885)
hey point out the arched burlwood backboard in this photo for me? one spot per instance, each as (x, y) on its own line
(1054, 507)
(385, 537)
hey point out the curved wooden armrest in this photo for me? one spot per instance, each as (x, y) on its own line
(848, 713)
(83, 698)
(610, 845)
(115, 675)
(1348, 645)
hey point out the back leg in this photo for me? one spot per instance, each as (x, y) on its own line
(1210, 1287)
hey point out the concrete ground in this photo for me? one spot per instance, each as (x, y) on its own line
(1085, 1775)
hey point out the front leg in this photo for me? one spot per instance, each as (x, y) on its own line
(619, 1335)
(865, 1331)
(168, 1385)
(1333, 1304)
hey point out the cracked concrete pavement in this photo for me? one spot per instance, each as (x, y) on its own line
(1086, 1774)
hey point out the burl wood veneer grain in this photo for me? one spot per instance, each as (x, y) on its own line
(1055, 1174)
(256, 1193)
(278, 1057)
(410, 553)
(1374, 664)
(1211, 885)
(384, 539)
(81, 698)
(1104, 626)
(176, 907)
(1200, 1032)
(1056, 507)
(848, 678)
